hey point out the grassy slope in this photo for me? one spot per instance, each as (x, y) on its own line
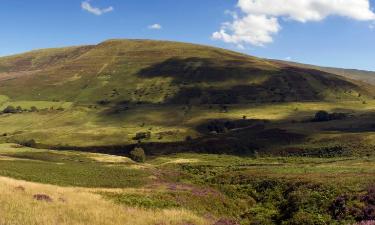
(361, 75)
(85, 127)
(160, 72)
(71, 206)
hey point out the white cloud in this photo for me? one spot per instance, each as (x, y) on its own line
(155, 26)
(288, 58)
(253, 29)
(258, 20)
(85, 5)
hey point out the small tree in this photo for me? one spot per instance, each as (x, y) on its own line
(322, 116)
(138, 155)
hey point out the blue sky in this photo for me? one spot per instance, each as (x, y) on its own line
(341, 38)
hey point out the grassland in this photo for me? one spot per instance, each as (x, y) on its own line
(176, 189)
(78, 126)
(71, 206)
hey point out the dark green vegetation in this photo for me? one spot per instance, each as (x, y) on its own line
(138, 155)
(290, 144)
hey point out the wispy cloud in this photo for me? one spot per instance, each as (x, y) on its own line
(155, 26)
(86, 5)
(257, 21)
(288, 58)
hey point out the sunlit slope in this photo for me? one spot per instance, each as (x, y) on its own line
(145, 71)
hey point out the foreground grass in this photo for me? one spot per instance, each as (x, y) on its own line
(72, 206)
(265, 190)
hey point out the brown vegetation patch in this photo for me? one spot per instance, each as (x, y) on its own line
(226, 222)
(42, 197)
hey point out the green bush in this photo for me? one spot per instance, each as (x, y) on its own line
(31, 143)
(142, 135)
(19, 109)
(33, 109)
(322, 116)
(10, 109)
(138, 155)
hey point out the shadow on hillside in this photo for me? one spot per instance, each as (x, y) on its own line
(195, 70)
(284, 85)
(248, 137)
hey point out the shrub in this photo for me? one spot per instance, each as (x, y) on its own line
(369, 200)
(339, 208)
(19, 109)
(138, 155)
(33, 109)
(103, 102)
(28, 143)
(321, 116)
(10, 109)
(142, 135)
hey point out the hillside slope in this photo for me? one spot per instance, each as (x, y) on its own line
(144, 71)
(354, 74)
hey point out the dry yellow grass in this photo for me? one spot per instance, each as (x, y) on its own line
(76, 206)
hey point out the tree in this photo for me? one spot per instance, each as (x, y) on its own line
(322, 116)
(138, 155)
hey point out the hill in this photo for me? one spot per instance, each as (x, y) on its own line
(144, 71)
(176, 97)
(354, 74)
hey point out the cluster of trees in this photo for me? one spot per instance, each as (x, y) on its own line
(142, 135)
(322, 116)
(18, 109)
(12, 110)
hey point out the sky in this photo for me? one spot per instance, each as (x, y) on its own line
(338, 33)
